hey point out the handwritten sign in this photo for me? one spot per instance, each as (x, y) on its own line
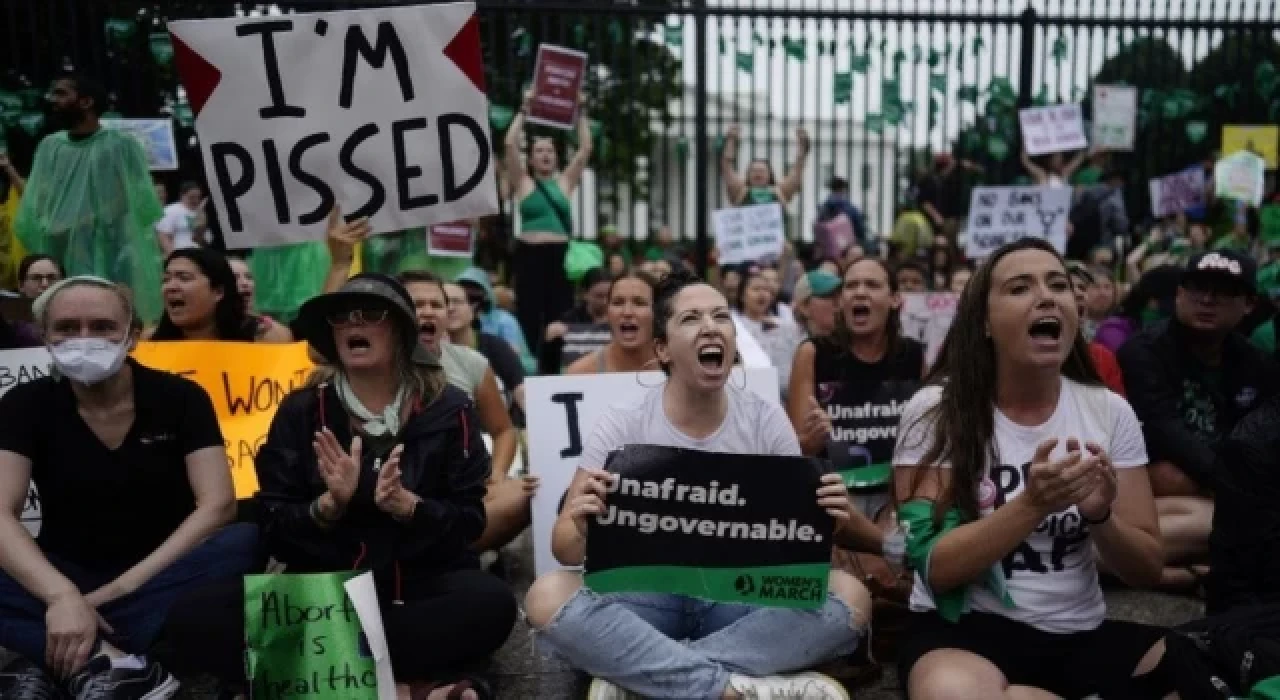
(306, 637)
(561, 413)
(557, 82)
(19, 367)
(926, 317)
(1052, 129)
(1115, 116)
(155, 136)
(748, 234)
(1262, 140)
(381, 111)
(1176, 193)
(1000, 215)
(1240, 176)
(449, 240)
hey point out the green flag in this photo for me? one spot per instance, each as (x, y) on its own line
(843, 89)
(968, 93)
(938, 81)
(746, 61)
(1059, 49)
(795, 48)
(860, 63)
(874, 123)
(673, 34)
(161, 48)
(304, 639)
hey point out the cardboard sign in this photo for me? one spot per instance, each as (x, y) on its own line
(381, 111)
(1261, 140)
(1052, 129)
(1240, 176)
(306, 637)
(1179, 192)
(1000, 215)
(834, 236)
(926, 318)
(1115, 117)
(728, 528)
(561, 413)
(864, 427)
(583, 339)
(156, 138)
(450, 240)
(749, 234)
(557, 84)
(19, 367)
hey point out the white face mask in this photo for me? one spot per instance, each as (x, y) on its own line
(88, 360)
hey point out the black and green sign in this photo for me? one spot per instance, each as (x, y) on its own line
(864, 427)
(583, 339)
(723, 527)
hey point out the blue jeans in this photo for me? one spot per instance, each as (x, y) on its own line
(136, 618)
(672, 646)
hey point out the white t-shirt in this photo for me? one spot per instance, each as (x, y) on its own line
(751, 426)
(177, 222)
(1052, 576)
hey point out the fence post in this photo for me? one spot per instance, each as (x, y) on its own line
(1027, 55)
(702, 144)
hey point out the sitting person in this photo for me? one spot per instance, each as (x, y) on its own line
(1083, 282)
(202, 301)
(629, 313)
(592, 309)
(136, 498)
(1190, 381)
(36, 273)
(464, 330)
(1006, 602)
(637, 641)
(375, 465)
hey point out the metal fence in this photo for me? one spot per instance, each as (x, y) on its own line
(879, 90)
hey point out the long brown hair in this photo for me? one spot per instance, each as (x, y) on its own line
(962, 424)
(841, 338)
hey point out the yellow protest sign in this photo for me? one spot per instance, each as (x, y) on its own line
(1260, 139)
(246, 382)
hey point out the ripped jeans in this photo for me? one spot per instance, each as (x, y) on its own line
(672, 646)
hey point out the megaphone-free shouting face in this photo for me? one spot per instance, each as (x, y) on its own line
(694, 335)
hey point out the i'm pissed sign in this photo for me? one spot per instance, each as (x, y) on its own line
(382, 111)
(729, 528)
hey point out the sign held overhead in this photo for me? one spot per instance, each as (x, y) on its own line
(380, 111)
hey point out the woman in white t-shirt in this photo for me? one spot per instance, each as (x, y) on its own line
(1013, 467)
(673, 646)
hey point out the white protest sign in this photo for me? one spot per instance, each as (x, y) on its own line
(1178, 192)
(1052, 129)
(156, 138)
(1240, 176)
(926, 318)
(19, 367)
(1000, 215)
(562, 412)
(748, 234)
(382, 111)
(1115, 116)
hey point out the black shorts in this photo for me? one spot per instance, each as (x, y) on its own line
(1074, 665)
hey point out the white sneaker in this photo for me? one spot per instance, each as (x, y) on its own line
(799, 686)
(604, 690)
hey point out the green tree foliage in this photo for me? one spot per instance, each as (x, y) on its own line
(1147, 61)
(1239, 79)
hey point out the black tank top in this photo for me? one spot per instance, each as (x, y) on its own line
(831, 364)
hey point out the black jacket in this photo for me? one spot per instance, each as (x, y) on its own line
(444, 462)
(1155, 364)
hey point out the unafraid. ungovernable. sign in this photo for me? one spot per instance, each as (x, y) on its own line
(1000, 215)
(864, 427)
(381, 111)
(729, 528)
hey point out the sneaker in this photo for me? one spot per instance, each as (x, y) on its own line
(100, 681)
(799, 686)
(604, 690)
(23, 680)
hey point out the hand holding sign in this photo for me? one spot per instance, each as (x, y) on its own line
(589, 501)
(817, 427)
(342, 235)
(1055, 485)
(339, 469)
(833, 496)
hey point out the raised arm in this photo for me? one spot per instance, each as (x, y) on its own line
(1037, 173)
(572, 174)
(794, 178)
(735, 187)
(512, 156)
(342, 237)
(1074, 164)
(15, 179)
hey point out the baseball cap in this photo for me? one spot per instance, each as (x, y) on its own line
(822, 283)
(1229, 266)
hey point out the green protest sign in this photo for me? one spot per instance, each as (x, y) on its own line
(864, 427)
(304, 639)
(721, 527)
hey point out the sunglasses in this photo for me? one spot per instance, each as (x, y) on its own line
(358, 317)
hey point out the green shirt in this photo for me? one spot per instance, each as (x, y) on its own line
(1264, 337)
(546, 210)
(1088, 175)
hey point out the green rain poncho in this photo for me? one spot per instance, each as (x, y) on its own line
(393, 253)
(91, 205)
(286, 276)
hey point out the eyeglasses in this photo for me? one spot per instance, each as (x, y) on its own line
(358, 317)
(50, 278)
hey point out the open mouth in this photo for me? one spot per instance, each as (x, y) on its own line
(711, 357)
(628, 329)
(427, 330)
(175, 304)
(1049, 329)
(358, 344)
(860, 312)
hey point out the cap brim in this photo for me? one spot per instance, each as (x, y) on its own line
(313, 325)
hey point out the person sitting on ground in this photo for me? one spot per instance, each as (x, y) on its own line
(943, 260)
(960, 279)
(1190, 380)
(464, 330)
(778, 337)
(1104, 361)
(375, 464)
(1147, 304)
(1100, 299)
(593, 309)
(1006, 602)
(630, 317)
(202, 301)
(494, 319)
(36, 273)
(911, 277)
(245, 285)
(735, 648)
(136, 501)
(815, 301)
